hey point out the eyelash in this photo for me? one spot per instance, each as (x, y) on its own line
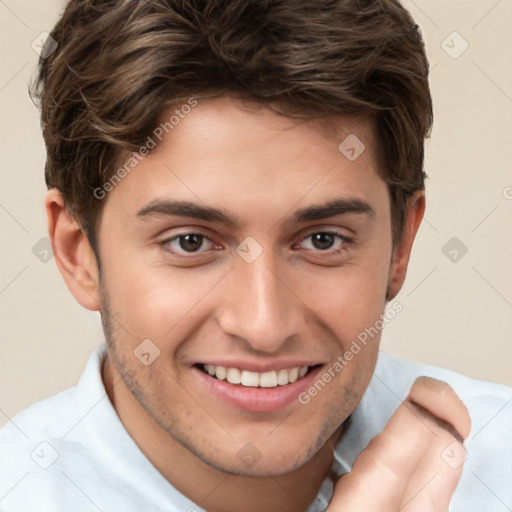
(343, 245)
(344, 242)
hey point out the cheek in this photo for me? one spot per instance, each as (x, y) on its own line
(154, 300)
(348, 299)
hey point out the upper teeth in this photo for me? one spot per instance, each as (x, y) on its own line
(270, 379)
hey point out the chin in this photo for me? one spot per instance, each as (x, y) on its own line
(259, 468)
(249, 460)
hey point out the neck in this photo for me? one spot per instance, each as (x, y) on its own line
(210, 488)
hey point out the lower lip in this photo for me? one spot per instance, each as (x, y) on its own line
(257, 399)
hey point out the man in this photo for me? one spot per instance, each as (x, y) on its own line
(236, 188)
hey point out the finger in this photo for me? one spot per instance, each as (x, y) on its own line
(402, 466)
(431, 485)
(380, 474)
(441, 401)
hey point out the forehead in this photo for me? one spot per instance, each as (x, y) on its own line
(226, 117)
(249, 159)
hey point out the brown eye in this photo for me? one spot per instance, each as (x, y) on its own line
(324, 241)
(188, 243)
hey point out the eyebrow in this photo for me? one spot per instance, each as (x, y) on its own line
(340, 206)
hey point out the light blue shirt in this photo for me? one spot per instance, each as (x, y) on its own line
(71, 453)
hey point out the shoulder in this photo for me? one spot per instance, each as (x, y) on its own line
(403, 372)
(32, 442)
(72, 452)
(47, 419)
(53, 416)
(489, 403)
(393, 377)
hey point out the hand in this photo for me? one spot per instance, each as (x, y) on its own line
(402, 469)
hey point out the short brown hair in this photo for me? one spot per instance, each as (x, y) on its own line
(120, 62)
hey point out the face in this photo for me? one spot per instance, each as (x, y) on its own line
(247, 247)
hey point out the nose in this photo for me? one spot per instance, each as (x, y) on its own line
(259, 306)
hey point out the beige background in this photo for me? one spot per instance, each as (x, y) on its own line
(456, 314)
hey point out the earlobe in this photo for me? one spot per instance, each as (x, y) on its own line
(73, 254)
(402, 252)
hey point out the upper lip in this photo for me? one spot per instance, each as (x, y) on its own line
(260, 367)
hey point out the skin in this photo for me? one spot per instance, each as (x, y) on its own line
(415, 463)
(294, 302)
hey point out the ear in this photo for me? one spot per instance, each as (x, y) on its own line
(73, 254)
(402, 252)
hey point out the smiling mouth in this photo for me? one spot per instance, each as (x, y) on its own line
(270, 379)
